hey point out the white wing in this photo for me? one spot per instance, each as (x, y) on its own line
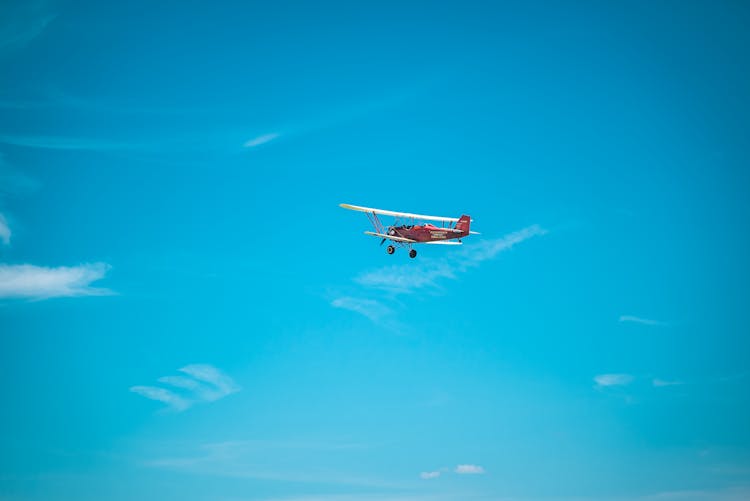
(391, 237)
(410, 241)
(400, 214)
(443, 242)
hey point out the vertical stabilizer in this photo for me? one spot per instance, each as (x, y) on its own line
(463, 224)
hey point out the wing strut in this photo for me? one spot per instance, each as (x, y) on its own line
(375, 223)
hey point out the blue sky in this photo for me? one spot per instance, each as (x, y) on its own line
(186, 313)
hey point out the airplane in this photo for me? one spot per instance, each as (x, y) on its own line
(406, 235)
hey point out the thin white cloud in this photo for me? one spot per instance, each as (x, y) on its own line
(363, 497)
(639, 320)
(22, 22)
(460, 469)
(662, 382)
(731, 493)
(403, 279)
(239, 459)
(222, 385)
(180, 382)
(205, 384)
(469, 469)
(170, 398)
(67, 143)
(605, 380)
(4, 230)
(262, 139)
(39, 282)
(409, 278)
(428, 475)
(370, 308)
(488, 249)
(13, 182)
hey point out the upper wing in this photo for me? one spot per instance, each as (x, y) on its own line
(400, 214)
(391, 237)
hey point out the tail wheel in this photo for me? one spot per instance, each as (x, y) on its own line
(412, 253)
(390, 249)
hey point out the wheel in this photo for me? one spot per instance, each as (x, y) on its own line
(390, 249)
(412, 253)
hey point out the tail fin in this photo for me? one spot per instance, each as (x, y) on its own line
(463, 224)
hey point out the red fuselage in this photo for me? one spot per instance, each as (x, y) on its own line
(426, 232)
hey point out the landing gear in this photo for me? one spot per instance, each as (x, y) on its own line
(390, 249)
(412, 253)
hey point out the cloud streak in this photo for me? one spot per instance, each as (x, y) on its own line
(203, 383)
(403, 279)
(263, 139)
(216, 384)
(639, 320)
(469, 469)
(288, 461)
(4, 230)
(459, 469)
(22, 23)
(39, 282)
(13, 182)
(660, 383)
(607, 380)
(170, 398)
(67, 143)
(370, 308)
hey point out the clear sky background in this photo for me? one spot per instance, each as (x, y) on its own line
(187, 314)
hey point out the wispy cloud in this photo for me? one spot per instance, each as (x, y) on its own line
(219, 384)
(4, 230)
(488, 249)
(428, 475)
(67, 143)
(639, 320)
(205, 384)
(39, 282)
(605, 380)
(730, 493)
(336, 115)
(180, 382)
(401, 279)
(170, 398)
(262, 139)
(412, 277)
(367, 496)
(289, 461)
(370, 308)
(662, 382)
(460, 469)
(22, 22)
(469, 469)
(13, 182)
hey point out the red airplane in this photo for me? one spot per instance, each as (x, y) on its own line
(406, 235)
